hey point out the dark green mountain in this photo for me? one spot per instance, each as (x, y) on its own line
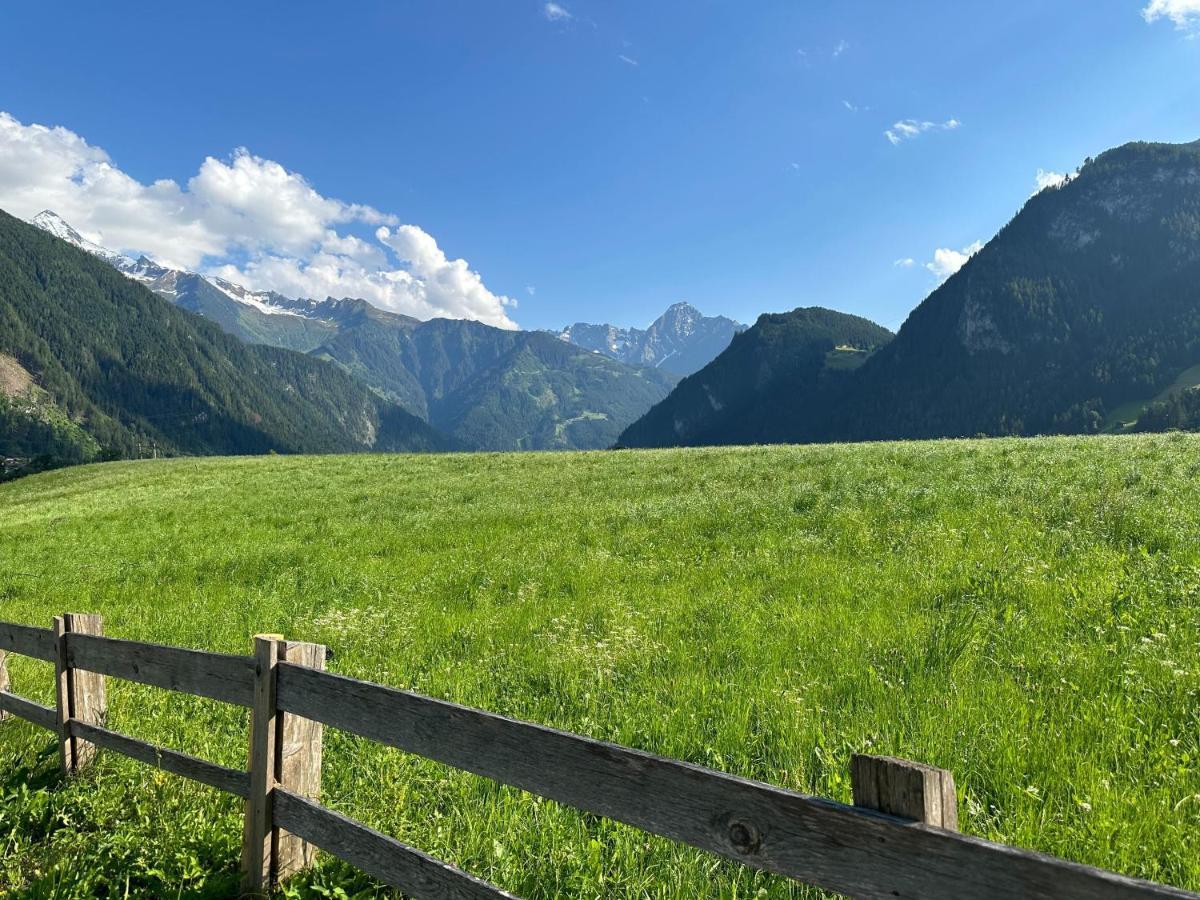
(1081, 315)
(97, 365)
(785, 363)
(488, 388)
(1077, 315)
(257, 318)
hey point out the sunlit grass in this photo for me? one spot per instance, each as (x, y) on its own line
(1025, 613)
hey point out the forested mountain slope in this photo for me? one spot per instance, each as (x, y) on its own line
(1089, 299)
(1082, 315)
(100, 366)
(786, 366)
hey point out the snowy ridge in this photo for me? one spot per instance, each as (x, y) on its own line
(260, 300)
(50, 221)
(163, 280)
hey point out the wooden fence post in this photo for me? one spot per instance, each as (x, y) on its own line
(906, 789)
(4, 683)
(78, 694)
(89, 697)
(257, 836)
(62, 696)
(298, 766)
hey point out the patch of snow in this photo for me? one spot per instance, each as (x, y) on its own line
(52, 222)
(260, 300)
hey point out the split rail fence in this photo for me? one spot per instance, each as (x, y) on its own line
(899, 839)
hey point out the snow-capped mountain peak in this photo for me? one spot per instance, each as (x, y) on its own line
(163, 280)
(50, 221)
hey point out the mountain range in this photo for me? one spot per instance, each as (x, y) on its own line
(1082, 315)
(485, 388)
(94, 365)
(681, 341)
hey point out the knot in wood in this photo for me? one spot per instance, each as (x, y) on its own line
(744, 837)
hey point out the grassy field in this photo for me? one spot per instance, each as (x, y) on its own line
(1025, 613)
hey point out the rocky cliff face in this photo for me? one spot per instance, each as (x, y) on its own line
(680, 341)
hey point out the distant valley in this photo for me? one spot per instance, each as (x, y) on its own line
(485, 388)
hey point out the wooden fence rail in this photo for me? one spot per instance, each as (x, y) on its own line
(900, 839)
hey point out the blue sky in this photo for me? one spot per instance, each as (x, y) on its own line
(589, 160)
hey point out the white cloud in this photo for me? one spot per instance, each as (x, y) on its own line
(1184, 13)
(906, 263)
(839, 48)
(946, 262)
(850, 106)
(1044, 179)
(627, 60)
(906, 129)
(247, 219)
(556, 12)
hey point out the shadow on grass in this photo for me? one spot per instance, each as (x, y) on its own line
(101, 835)
(42, 773)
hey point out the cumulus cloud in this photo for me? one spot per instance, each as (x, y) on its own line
(946, 261)
(1184, 13)
(556, 12)
(247, 219)
(907, 129)
(1046, 179)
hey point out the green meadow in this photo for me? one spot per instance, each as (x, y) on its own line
(1025, 613)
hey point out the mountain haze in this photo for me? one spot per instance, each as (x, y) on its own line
(496, 389)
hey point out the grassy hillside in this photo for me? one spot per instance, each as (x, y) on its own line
(1022, 612)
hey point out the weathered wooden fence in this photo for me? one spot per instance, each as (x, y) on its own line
(900, 839)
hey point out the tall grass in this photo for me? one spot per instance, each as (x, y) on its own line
(1025, 613)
